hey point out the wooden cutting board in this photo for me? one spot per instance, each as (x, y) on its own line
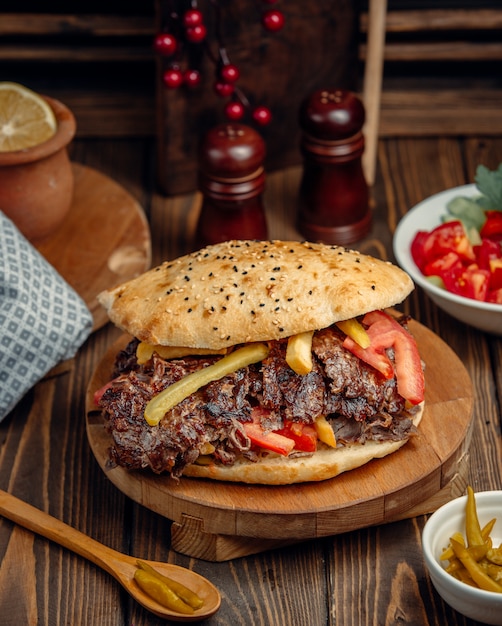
(103, 241)
(218, 521)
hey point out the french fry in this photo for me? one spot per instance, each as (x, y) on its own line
(299, 352)
(325, 431)
(356, 331)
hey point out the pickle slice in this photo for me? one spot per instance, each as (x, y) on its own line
(163, 402)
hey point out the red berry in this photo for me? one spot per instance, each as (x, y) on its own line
(224, 90)
(172, 78)
(196, 34)
(165, 43)
(262, 115)
(191, 78)
(192, 18)
(234, 110)
(273, 20)
(229, 73)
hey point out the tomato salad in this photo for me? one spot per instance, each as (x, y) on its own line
(464, 253)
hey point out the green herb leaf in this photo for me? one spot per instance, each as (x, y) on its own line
(490, 185)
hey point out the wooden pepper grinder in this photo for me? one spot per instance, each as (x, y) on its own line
(231, 179)
(333, 204)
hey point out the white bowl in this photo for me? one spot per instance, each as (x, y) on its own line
(425, 216)
(484, 606)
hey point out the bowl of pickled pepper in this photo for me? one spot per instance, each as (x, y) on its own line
(462, 548)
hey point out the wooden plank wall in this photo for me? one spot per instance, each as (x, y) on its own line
(442, 70)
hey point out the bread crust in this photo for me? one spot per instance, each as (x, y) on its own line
(324, 464)
(241, 291)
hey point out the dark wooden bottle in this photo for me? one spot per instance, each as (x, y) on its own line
(231, 180)
(333, 204)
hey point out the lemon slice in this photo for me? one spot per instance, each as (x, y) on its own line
(26, 119)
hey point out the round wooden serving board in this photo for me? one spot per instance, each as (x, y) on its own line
(103, 241)
(381, 491)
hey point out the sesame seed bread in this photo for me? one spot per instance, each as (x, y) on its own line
(278, 470)
(241, 291)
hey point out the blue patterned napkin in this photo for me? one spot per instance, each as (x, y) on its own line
(43, 321)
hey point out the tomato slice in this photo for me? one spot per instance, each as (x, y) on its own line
(470, 282)
(448, 237)
(492, 228)
(443, 265)
(268, 440)
(417, 249)
(486, 252)
(98, 394)
(495, 296)
(495, 274)
(304, 435)
(386, 332)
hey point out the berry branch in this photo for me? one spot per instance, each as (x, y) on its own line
(187, 30)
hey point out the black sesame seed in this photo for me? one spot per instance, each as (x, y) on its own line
(189, 310)
(373, 286)
(276, 269)
(299, 267)
(262, 304)
(187, 278)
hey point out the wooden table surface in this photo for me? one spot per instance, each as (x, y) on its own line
(371, 576)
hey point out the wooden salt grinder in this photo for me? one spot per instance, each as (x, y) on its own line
(231, 179)
(333, 204)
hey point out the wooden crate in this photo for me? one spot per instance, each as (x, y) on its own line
(441, 72)
(98, 59)
(316, 48)
(442, 67)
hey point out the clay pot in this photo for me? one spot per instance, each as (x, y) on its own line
(36, 184)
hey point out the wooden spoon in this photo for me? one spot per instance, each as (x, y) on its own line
(120, 566)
